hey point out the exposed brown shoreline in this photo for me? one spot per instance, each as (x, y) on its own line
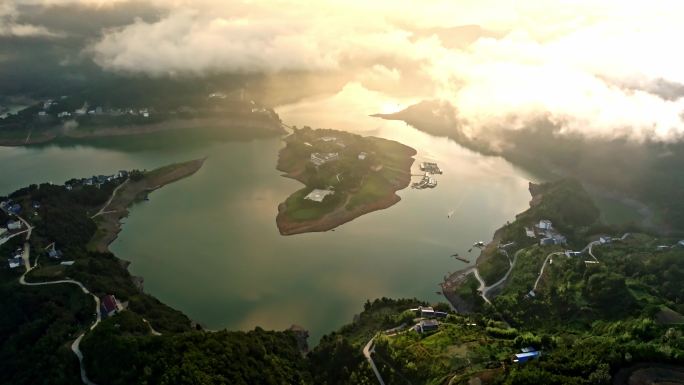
(341, 215)
(333, 219)
(109, 223)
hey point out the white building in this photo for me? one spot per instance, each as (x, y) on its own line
(317, 195)
(318, 158)
(13, 225)
(15, 262)
(545, 224)
(362, 156)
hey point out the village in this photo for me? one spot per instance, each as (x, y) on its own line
(17, 225)
(69, 108)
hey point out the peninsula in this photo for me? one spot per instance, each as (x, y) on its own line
(345, 175)
(134, 188)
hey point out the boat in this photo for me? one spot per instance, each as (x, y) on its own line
(479, 244)
(466, 260)
(450, 213)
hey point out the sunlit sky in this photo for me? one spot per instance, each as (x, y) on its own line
(601, 68)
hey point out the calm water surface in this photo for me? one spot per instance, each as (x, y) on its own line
(208, 245)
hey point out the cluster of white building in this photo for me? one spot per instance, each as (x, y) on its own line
(547, 233)
(94, 111)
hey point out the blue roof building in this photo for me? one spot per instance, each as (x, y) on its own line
(524, 357)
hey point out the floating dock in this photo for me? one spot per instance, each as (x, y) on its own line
(426, 182)
(431, 168)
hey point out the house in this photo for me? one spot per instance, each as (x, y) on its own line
(524, 357)
(426, 326)
(318, 158)
(559, 239)
(67, 263)
(545, 224)
(15, 262)
(109, 305)
(605, 240)
(662, 247)
(529, 233)
(569, 253)
(362, 156)
(64, 114)
(14, 225)
(54, 253)
(14, 209)
(317, 195)
(546, 241)
(528, 349)
(426, 312)
(555, 239)
(681, 243)
(441, 314)
(35, 205)
(327, 139)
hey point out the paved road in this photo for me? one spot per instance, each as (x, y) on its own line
(511, 263)
(111, 198)
(367, 350)
(588, 248)
(541, 272)
(75, 346)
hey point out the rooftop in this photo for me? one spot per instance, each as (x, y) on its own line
(317, 195)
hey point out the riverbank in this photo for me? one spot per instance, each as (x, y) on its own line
(109, 218)
(362, 176)
(234, 126)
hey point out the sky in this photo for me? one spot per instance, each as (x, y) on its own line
(599, 68)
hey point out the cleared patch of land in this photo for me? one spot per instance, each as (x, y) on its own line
(109, 222)
(357, 174)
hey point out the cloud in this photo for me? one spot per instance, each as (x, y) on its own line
(9, 27)
(600, 68)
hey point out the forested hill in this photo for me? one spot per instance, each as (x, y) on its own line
(595, 316)
(647, 171)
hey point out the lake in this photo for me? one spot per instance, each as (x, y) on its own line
(208, 245)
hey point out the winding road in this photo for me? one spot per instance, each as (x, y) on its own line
(588, 248)
(367, 351)
(26, 256)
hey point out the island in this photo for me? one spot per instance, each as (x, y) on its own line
(345, 176)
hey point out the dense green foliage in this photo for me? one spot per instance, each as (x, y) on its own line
(35, 325)
(255, 357)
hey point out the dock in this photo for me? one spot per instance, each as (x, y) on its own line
(466, 260)
(426, 182)
(430, 167)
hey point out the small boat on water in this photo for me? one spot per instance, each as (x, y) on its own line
(470, 250)
(466, 260)
(450, 213)
(479, 244)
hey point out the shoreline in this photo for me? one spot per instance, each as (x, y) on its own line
(341, 214)
(109, 222)
(333, 219)
(60, 132)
